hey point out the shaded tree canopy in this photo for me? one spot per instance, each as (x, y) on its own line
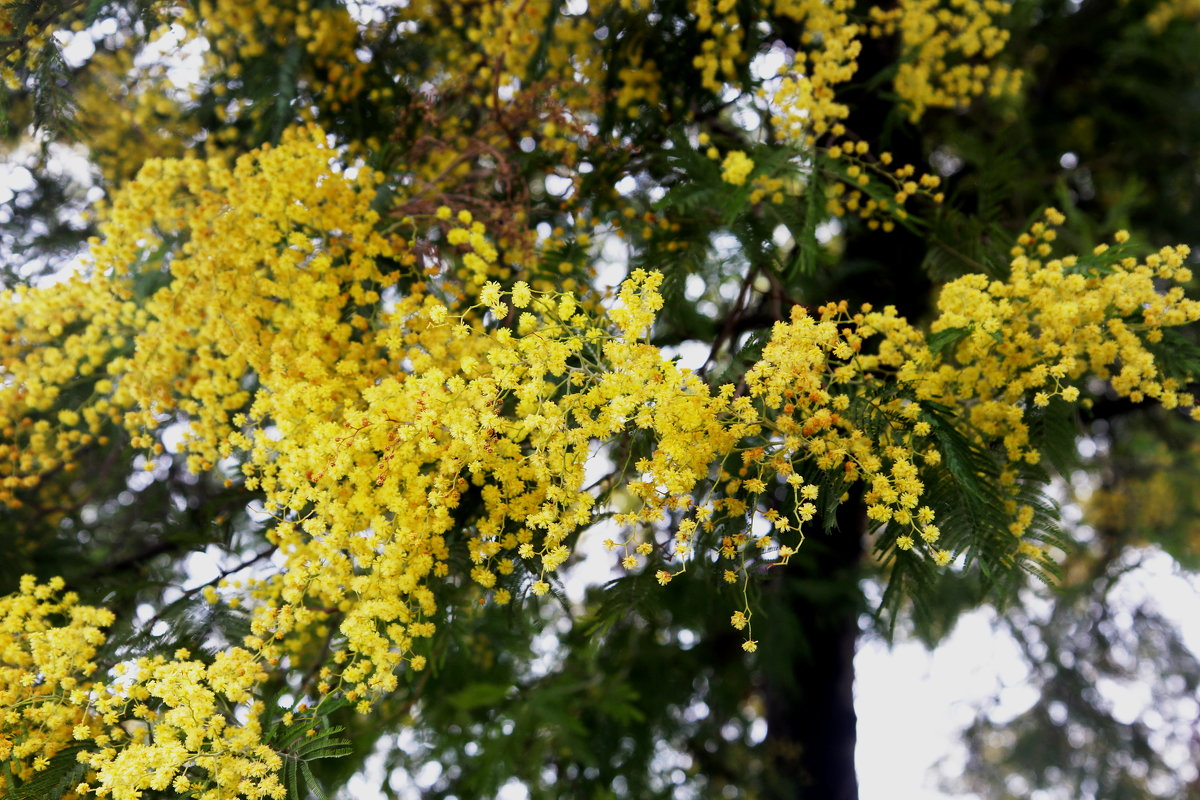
(334, 335)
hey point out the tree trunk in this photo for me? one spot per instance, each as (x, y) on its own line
(812, 726)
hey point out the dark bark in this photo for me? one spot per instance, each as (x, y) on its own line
(810, 696)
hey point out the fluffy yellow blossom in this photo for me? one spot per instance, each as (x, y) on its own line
(1017, 344)
(949, 50)
(736, 167)
(47, 670)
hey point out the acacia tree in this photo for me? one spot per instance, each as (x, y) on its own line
(381, 308)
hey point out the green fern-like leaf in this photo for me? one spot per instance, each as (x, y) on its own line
(302, 742)
(1176, 355)
(313, 784)
(1054, 430)
(63, 774)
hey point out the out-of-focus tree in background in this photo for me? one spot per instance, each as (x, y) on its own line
(368, 312)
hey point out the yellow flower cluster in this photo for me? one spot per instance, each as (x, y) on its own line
(736, 167)
(16, 26)
(56, 340)
(507, 36)
(163, 723)
(865, 183)
(946, 51)
(507, 415)
(947, 48)
(640, 85)
(238, 32)
(767, 187)
(129, 113)
(1054, 320)
(822, 383)
(1167, 11)
(47, 645)
(489, 48)
(365, 428)
(721, 52)
(804, 106)
(306, 235)
(1015, 344)
(170, 728)
(394, 418)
